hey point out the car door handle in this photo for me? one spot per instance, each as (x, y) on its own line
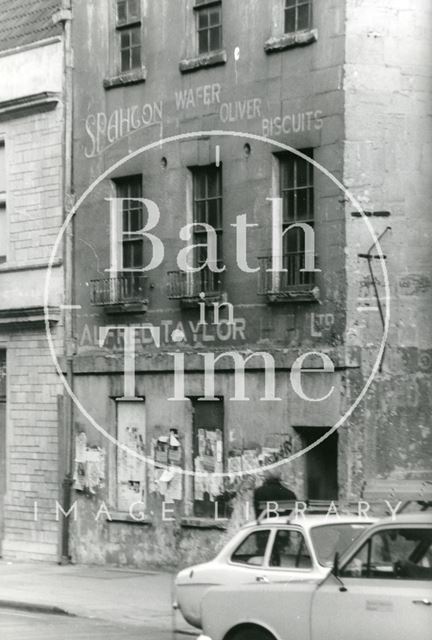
(262, 579)
(425, 601)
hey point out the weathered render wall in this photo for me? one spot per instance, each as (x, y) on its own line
(33, 143)
(388, 168)
(294, 96)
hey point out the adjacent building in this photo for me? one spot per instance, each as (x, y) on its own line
(32, 187)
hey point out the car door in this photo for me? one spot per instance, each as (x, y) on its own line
(383, 592)
(289, 557)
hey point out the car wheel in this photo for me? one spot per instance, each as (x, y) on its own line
(252, 633)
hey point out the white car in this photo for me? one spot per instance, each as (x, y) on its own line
(380, 589)
(278, 549)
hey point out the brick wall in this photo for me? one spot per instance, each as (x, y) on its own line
(34, 211)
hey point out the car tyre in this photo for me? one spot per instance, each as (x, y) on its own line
(252, 633)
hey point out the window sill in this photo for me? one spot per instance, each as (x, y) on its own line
(123, 79)
(206, 3)
(124, 517)
(192, 522)
(291, 40)
(205, 60)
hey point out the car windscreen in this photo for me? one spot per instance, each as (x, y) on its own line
(331, 538)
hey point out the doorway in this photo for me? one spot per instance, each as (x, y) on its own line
(321, 464)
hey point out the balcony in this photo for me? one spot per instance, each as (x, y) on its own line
(126, 292)
(292, 285)
(191, 288)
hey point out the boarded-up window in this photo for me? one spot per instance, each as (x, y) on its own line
(131, 469)
(208, 451)
(3, 220)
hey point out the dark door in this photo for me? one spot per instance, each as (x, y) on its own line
(321, 464)
(208, 454)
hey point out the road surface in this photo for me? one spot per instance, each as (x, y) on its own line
(23, 625)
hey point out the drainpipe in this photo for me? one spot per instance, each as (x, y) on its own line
(64, 17)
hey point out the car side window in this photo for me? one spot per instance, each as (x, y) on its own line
(252, 549)
(403, 554)
(290, 550)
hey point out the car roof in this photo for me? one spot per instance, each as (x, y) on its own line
(409, 518)
(315, 520)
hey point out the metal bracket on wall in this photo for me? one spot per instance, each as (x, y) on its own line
(369, 257)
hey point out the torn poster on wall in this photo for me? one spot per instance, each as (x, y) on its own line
(131, 470)
(168, 482)
(89, 471)
(209, 462)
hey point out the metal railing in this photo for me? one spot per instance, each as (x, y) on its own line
(125, 288)
(292, 281)
(183, 285)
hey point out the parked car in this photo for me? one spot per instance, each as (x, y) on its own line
(278, 549)
(380, 589)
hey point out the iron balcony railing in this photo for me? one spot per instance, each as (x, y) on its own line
(291, 283)
(123, 289)
(190, 286)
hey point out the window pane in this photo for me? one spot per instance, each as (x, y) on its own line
(288, 206)
(136, 36)
(329, 539)
(133, 7)
(290, 550)
(125, 39)
(213, 184)
(303, 17)
(203, 41)
(3, 248)
(215, 38)
(136, 57)
(136, 220)
(292, 240)
(302, 167)
(215, 17)
(290, 3)
(287, 174)
(125, 62)
(200, 212)
(200, 185)
(2, 167)
(121, 11)
(252, 550)
(213, 214)
(394, 554)
(290, 25)
(203, 20)
(302, 205)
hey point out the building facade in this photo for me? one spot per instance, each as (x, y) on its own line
(32, 139)
(289, 135)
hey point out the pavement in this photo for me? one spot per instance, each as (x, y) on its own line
(118, 596)
(22, 625)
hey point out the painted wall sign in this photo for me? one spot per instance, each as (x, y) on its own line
(104, 130)
(204, 95)
(292, 123)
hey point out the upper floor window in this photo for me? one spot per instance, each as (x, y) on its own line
(3, 219)
(128, 25)
(298, 15)
(209, 26)
(297, 193)
(207, 208)
(131, 215)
